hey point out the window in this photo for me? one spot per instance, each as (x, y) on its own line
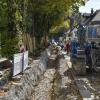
(92, 32)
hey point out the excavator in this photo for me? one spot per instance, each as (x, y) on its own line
(79, 63)
(93, 37)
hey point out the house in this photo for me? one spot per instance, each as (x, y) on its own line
(96, 23)
(92, 22)
(87, 17)
(96, 18)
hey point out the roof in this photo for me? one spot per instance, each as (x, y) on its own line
(87, 17)
(93, 19)
(87, 14)
(96, 19)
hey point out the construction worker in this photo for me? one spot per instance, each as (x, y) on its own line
(67, 47)
(74, 46)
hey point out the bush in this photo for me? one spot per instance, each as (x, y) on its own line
(8, 47)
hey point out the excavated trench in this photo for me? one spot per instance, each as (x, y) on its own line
(57, 84)
(45, 81)
(64, 87)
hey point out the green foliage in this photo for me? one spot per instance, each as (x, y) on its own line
(8, 46)
(0, 44)
(11, 25)
(36, 17)
(51, 13)
(3, 15)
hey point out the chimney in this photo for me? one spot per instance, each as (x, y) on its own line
(92, 11)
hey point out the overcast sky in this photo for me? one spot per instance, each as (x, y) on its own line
(95, 4)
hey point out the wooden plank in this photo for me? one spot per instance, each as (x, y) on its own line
(84, 92)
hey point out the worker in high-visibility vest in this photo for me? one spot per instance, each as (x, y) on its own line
(74, 46)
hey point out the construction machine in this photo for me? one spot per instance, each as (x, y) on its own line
(79, 62)
(93, 36)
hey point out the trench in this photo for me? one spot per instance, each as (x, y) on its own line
(57, 84)
(44, 81)
(64, 87)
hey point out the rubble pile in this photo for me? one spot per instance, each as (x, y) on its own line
(23, 89)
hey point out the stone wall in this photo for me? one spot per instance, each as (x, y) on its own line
(25, 88)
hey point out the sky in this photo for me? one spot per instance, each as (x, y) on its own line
(95, 4)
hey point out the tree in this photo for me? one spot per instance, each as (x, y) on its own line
(49, 13)
(31, 20)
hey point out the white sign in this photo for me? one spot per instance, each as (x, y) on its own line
(17, 63)
(25, 60)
